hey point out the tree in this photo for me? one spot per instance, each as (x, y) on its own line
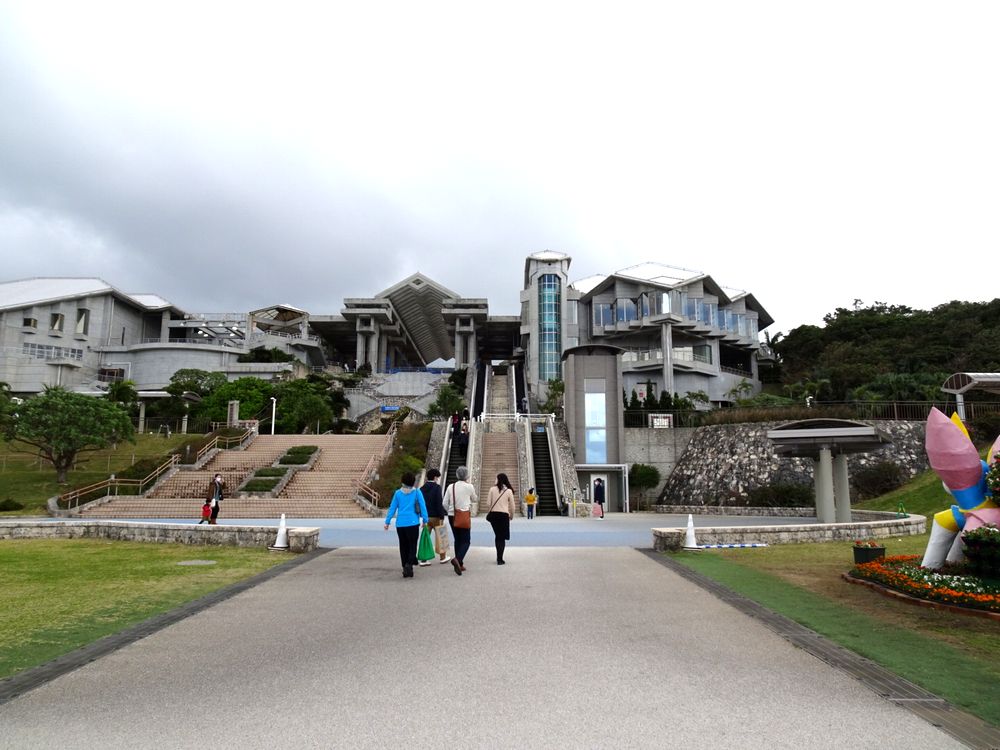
(253, 394)
(61, 425)
(301, 405)
(190, 380)
(449, 401)
(122, 392)
(643, 477)
(553, 402)
(740, 391)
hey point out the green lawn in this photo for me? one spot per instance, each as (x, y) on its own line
(58, 595)
(954, 656)
(30, 482)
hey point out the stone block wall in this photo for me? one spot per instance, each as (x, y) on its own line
(300, 539)
(660, 448)
(722, 463)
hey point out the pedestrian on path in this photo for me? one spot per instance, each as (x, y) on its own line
(409, 509)
(529, 503)
(599, 497)
(460, 495)
(436, 515)
(215, 494)
(500, 502)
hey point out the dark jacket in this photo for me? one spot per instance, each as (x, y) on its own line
(432, 496)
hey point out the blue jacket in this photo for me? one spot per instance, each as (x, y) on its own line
(404, 506)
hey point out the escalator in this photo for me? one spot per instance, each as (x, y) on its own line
(479, 396)
(545, 486)
(520, 391)
(456, 458)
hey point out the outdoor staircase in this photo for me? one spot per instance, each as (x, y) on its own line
(499, 455)
(325, 491)
(545, 486)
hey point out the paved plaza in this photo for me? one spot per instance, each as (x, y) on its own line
(562, 647)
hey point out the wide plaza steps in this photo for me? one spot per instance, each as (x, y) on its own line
(233, 508)
(499, 456)
(326, 490)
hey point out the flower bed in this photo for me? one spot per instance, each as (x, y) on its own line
(904, 574)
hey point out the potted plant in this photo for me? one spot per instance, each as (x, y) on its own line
(866, 550)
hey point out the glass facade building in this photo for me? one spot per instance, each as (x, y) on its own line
(549, 327)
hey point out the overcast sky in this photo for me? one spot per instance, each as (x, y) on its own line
(230, 156)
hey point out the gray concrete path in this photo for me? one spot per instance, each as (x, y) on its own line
(561, 647)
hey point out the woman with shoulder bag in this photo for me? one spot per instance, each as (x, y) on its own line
(458, 499)
(501, 512)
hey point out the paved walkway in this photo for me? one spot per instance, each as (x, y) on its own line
(558, 648)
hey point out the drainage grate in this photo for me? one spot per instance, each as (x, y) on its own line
(964, 727)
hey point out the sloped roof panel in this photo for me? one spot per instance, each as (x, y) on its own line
(14, 294)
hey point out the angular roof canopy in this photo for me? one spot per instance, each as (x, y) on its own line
(806, 437)
(961, 382)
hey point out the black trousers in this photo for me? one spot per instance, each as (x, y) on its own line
(501, 530)
(408, 538)
(463, 540)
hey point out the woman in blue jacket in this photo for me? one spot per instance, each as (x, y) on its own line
(409, 509)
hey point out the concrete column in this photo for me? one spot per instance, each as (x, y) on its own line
(824, 487)
(304, 328)
(472, 349)
(383, 348)
(142, 417)
(184, 423)
(667, 345)
(459, 354)
(360, 349)
(164, 326)
(841, 489)
(373, 348)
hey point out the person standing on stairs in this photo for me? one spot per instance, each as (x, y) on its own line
(460, 494)
(436, 514)
(500, 502)
(409, 509)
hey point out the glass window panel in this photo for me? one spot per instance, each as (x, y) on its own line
(594, 410)
(597, 446)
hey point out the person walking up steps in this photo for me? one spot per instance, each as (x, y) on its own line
(501, 511)
(409, 509)
(436, 515)
(458, 499)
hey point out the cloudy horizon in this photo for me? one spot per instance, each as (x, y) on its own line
(230, 157)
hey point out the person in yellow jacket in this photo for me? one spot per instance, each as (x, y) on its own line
(529, 503)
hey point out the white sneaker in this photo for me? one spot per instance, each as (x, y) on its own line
(423, 564)
(447, 559)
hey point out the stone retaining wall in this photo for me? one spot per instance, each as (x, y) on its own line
(866, 525)
(300, 539)
(722, 463)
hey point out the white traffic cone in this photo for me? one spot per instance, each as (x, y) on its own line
(281, 543)
(690, 543)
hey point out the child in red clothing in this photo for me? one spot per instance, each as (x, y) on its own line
(206, 513)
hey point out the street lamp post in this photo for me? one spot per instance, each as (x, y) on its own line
(274, 406)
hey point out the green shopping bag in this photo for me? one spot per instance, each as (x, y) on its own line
(425, 549)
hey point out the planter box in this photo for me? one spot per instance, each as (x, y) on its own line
(867, 554)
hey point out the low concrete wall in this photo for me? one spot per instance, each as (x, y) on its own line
(300, 539)
(864, 525)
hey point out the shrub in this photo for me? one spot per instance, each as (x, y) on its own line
(782, 496)
(304, 450)
(260, 485)
(270, 471)
(409, 454)
(985, 428)
(294, 459)
(10, 504)
(877, 479)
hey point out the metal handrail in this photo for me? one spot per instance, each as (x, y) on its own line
(222, 438)
(71, 499)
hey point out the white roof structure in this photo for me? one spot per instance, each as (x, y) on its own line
(961, 382)
(42, 290)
